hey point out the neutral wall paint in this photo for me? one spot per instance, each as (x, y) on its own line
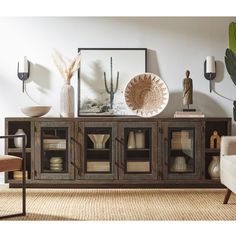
(175, 44)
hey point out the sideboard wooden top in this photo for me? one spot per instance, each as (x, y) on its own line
(116, 118)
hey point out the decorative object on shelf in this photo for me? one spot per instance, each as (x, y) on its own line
(215, 140)
(18, 174)
(138, 166)
(180, 164)
(67, 100)
(181, 141)
(97, 99)
(140, 139)
(98, 166)
(188, 114)
(214, 167)
(131, 140)
(67, 91)
(35, 111)
(56, 164)
(23, 71)
(111, 89)
(99, 140)
(18, 141)
(188, 91)
(54, 143)
(146, 95)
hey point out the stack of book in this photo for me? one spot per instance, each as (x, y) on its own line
(188, 114)
(181, 140)
(18, 175)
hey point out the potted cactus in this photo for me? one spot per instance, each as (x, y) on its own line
(230, 58)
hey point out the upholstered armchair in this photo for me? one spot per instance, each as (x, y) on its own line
(228, 165)
(12, 163)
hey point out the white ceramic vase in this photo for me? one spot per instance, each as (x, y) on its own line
(99, 140)
(180, 164)
(131, 140)
(67, 100)
(214, 167)
(18, 141)
(140, 139)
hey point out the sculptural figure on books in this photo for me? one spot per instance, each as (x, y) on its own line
(187, 90)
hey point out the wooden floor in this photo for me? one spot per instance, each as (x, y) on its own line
(120, 204)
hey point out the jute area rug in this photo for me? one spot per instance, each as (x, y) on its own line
(120, 204)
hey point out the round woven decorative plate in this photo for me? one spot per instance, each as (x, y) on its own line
(146, 95)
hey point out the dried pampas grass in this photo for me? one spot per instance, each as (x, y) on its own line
(66, 70)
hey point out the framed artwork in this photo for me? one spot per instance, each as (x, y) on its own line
(103, 76)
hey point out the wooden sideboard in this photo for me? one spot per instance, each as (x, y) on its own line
(116, 151)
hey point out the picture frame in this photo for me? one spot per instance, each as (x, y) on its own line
(96, 63)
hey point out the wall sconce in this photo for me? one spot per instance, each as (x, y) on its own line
(23, 71)
(210, 69)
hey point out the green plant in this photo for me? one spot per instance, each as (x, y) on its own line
(230, 62)
(230, 58)
(232, 36)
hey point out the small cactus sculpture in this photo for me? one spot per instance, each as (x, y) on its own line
(111, 91)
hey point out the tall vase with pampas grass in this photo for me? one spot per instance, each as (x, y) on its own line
(67, 91)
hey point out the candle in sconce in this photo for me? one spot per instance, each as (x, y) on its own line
(210, 64)
(23, 65)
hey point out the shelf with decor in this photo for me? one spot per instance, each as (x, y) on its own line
(14, 146)
(214, 129)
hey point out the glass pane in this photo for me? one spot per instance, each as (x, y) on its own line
(98, 150)
(181, 155)
(137, 150)
(54, 153)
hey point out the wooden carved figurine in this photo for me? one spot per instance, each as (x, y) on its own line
(187, 90)
(215, 140)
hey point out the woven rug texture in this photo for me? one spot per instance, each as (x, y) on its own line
(119, 204)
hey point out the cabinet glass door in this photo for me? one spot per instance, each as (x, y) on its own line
(182, 152)
(138, 145)
(138, 150)
(181, 156)
(54, 150)
(96, 152)
(54, 161)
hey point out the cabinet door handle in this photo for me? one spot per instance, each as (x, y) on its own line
(76, 167)
(119, 166)
(166, 151)
(119, 141)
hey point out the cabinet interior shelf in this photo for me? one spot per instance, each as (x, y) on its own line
(54, 149)
(18, 150)
(138, 149)
(212, 150)
(97, 160)
(139, 159)
(181, 149)
(53, 171)
(98, 150)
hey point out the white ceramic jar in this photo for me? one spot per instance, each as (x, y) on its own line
(140, 139)
(131, 140)
(214, 167)
(18, 141)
